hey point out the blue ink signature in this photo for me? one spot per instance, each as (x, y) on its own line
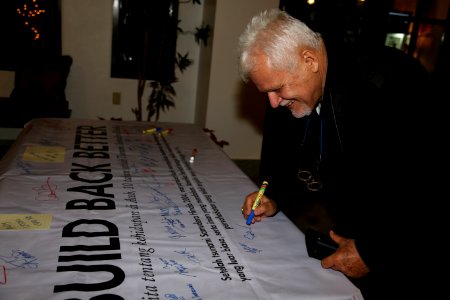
(160, 197)
(174, 297)
(20, 260)
(171, 211)
(248, 232)
(189, 256)
(176, 223)
(249, 249)
(180, 269)
(195, 295)
(173, 234)
(26, 167)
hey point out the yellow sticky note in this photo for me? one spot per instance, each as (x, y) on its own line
(25, 221)
(44, 154)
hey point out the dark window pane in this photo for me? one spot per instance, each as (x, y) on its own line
(144, 39)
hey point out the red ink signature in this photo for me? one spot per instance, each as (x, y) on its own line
(46, 191)
(3, 280)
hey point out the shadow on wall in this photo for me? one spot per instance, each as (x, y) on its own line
(251, 105)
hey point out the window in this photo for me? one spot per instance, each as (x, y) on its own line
(144, 39)
(417, 27)
(424, 35)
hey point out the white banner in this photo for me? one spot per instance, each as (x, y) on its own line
(107, 210)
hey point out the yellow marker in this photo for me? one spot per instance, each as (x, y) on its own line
(166, 131)
(262, 189)
(150, 130)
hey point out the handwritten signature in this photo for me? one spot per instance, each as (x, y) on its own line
(249, 249)
(189, 256)
(26, 167)
(174, 297)
(19, 259)
(194, 293)
(3, 280)
(248, 233)
(179, 268)
(46, 191)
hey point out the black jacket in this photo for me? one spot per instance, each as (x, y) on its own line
(379, 141)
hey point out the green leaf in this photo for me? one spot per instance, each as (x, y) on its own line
(183, 62)
(202, 34)
(179, 29)
(161, 98)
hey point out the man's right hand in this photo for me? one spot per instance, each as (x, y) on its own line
(266, 208)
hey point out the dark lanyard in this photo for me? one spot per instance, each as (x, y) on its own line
(321, 136)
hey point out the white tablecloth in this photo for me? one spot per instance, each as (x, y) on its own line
(130, 217)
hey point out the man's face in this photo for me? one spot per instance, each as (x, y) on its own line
(298, 90)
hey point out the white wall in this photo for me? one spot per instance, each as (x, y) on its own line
(219, 101)
(235, 111)
(87, 37)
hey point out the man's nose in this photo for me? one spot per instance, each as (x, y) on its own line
(274, 99)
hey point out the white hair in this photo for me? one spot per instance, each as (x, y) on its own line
(278, 36)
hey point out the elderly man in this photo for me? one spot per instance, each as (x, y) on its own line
(343, 133)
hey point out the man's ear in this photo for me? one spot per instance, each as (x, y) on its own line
(311, 60)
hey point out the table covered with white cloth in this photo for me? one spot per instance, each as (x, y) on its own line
(95, 209)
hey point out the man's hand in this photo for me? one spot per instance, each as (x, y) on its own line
(346, 259)
(266, 208)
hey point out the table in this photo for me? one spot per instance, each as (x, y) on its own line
(95, 209)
